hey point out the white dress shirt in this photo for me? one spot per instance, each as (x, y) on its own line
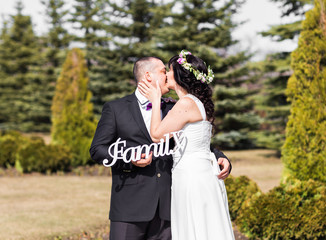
(147, 114)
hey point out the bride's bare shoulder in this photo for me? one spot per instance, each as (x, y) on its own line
(187, 108)
(185, 103)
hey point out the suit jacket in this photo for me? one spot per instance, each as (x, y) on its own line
(136, 192)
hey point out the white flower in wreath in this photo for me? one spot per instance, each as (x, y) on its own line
(199, 76)
(187, 66)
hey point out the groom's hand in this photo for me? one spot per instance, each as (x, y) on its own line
(225, 168)
(143, 162)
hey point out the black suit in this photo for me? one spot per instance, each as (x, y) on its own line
(136, 192)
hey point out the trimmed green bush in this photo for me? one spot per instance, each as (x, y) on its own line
(295, 210)
(10, 142)
(239, 190)
(33, 155)
(58, 158)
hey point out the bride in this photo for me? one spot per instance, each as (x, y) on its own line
(199, 208)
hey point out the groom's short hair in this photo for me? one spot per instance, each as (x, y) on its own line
(141, 65)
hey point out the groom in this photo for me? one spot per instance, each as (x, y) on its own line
(141, 190)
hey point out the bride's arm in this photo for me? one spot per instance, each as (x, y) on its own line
(174, 121)
(182, 113)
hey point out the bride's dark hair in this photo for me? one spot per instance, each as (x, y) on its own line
(188, 81)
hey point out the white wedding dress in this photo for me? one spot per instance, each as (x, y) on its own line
(199, 209)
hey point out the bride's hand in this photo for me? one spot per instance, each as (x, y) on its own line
(149, 91)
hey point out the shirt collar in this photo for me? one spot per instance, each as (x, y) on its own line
(141, 98)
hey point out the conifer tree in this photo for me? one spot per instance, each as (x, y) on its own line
(87, 18)
(304, 151)
(57, 39)
(5, 90)
(130, 26)
(72, 112)
(288, 30)
(23, 103)
(271, 103)
(54, 47)
(275, 72)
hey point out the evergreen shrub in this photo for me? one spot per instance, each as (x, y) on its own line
(294, 210)
(36, 156)
(10, 142)
(304, 150)
(58, 158)
(32, 155)
(72, 111)
(239, 190)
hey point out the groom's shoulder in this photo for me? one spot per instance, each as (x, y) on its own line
(118, 102)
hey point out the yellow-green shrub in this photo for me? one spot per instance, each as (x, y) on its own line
(58, 158)
(10, 142)
(36, 156)
(304, 151)
(72, 111)
(32, 155)
(295, 210)
(239, 190)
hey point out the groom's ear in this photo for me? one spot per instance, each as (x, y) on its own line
(148, 76)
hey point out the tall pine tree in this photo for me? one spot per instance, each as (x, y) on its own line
(304, 151)
(54, 47)
(275, 72)
(57, 39)
(130, 28)
(89, 19)
(5, 89)
(23, 102)
(271, 102)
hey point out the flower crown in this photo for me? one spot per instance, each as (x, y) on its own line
(182, 60)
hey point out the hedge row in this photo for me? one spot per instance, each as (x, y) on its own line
(293, 210)
(32, 154)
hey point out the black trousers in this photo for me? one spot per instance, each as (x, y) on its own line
(156, 229)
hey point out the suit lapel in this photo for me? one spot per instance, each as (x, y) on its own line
(135, 111)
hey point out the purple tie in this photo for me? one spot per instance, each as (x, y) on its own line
(149, 105)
